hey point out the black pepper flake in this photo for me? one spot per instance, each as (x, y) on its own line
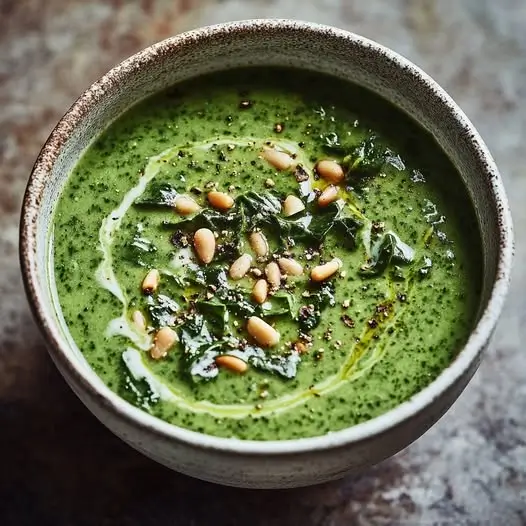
(348, 321)
(378, 226)
(372, 323)
(401, 297)
(179, 239)
(301, 174)
(245, 104)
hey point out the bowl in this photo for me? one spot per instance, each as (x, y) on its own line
(245, 463)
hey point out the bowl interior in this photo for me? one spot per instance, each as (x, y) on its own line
(263, 43)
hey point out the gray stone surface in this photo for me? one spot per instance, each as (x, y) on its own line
(58, 466)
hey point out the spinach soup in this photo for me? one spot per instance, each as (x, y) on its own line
(266, 254)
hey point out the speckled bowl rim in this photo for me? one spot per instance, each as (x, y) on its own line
(136, 417)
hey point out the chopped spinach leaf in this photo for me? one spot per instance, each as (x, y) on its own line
(425, 267)
(235, 301)
(346, 228)
(277, 305)
(162, 310)
(365, 160)
(194, 335)
(139, 251)
(158, 194)
(135, 390)
(282, 364)
(256, 209)
(215, 313)
(390, 248)
(210, 276)
(204, 367)
(332, 144)
(314, 227)
(263, 204)
(319, 298)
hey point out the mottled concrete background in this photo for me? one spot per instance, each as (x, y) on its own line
(58, 466)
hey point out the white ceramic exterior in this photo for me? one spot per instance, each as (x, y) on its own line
(270, 464)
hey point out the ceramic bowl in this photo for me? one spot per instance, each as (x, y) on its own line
(303, 45)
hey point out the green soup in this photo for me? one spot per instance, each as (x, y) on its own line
(349, 340)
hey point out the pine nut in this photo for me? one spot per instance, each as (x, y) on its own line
(273, 275)
(260, 291)
(328, 195)
(240, 266)
(220, 200)
(151, 281)
(259, 243)
(205, 245)
(292, 205)
(164, 340)
(185, 205)
(139, 320)
(290, 266)
(262, 332)
(330, 171)
(279, 160)
(322, 272)
(233, 363)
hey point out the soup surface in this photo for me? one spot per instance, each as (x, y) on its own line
(266, 254)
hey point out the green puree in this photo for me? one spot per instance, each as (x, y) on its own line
(371, 336)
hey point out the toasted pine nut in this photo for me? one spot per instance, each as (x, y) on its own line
(233, 363)
(205, 245)
(240, 266)
(264, 334)
(259, 243)
(322, 272)
(273, 275)
(260, 291)
(139, 320)
(164, 340)
(328, 195)
(151, 281)
(185, 205)
(292, 205)
(279, 160)
(290, 266)
(330, 171)
(220, 200)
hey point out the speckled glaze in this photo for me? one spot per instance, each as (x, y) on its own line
(285, 43)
